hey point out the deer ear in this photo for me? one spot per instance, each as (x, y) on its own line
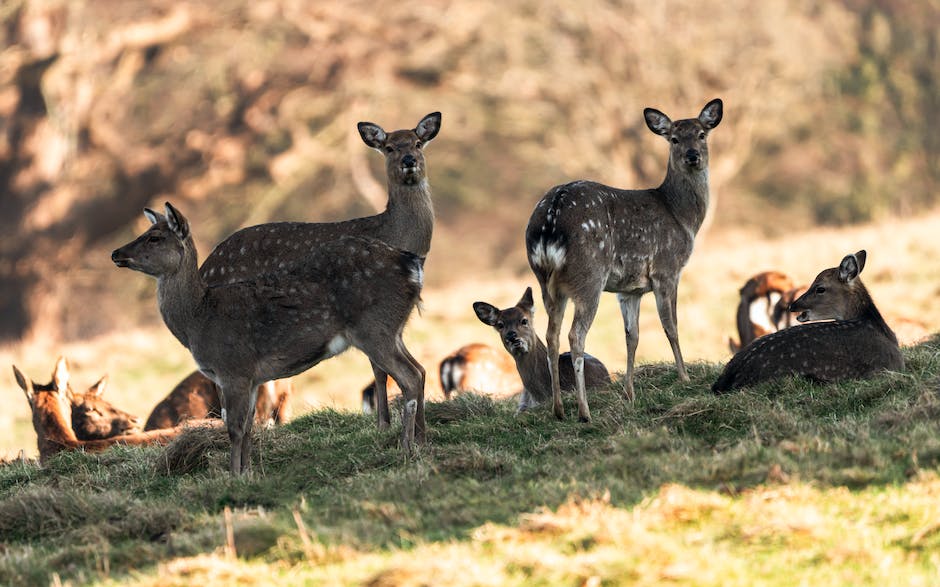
(372, 135)
(657, 122)
(177, 222)
(98, 388)
(487, 313)
(526, 302)
(25, 384)
(152, 216)
(429, 126)
(849, 268)
(60, 377)
(711, 114)
(860, 257)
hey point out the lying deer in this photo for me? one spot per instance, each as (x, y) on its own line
(584, 238)
(407, 223)
(286, 318)
(51, 409)
(197, 397)
(855, 342)
(758, 310)
(517, 333)
(93, 417)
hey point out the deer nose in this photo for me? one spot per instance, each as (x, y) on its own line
(692, 157)
(409, 161)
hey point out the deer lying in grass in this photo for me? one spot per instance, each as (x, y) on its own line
(51, 412)
(475, 367)
(197, 397)
(407, 223)
(516, 331)
(284, 319)
(854, 343)
(584, 238)
(95, 418)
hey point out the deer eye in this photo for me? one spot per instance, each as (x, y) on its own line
(820, 290)
(701, 136)
(499, 324)
(154, 238)
(418, 144)
(389, 149)
(525, 322)
(674, 140)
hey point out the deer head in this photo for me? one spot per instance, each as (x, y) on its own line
(687, 138)
(169, 231)
(514, 324)
(403, 149)
(836, 293)
(94, 417)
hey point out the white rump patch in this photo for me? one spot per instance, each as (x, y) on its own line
(417, 274)
(337, 345)
(548, 256)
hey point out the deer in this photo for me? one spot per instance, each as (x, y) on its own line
(584, 238)
(50, 407)
(533, 361)
(285, 319)
(852, 342)
(95, 418)
(758, 311)
(407, 223)
(197, 397)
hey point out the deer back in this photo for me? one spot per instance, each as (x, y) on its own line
(481, 368)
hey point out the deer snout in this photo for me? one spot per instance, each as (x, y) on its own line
(118, 258)
(409, 161)
(693, 157)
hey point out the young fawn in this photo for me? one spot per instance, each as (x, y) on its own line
(95, 418)
(854, 343)
(284, 319)
(584, 238)
(197, 397)
(517, 333)
(407, 223)
(51, 409)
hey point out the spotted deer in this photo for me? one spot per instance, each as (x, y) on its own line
(407, 223)
(585, 237)
(284, 319)
(51, 412)
(517, 333)
(197, 397)
(854, 341)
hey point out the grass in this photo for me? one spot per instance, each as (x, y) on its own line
(788, 482)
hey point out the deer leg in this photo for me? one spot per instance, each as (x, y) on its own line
(238, 400)
(666, 293)
(584, 313)
(555, 308)
(383, 418)
(407, 373)
(420, 423)
(630, 310)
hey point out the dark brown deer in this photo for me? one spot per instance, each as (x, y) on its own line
(95, 418)
(517, 332)
(285, 319)
(51, 409)
(407, 222)
(854, 342)
(758, 309)
(197, 397)
(584, 238)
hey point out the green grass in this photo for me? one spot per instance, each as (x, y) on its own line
(784, 483)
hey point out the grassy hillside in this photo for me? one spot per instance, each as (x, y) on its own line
(786, 483)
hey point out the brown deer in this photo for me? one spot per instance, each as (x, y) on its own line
(286, 318)
(51, 409)
(854, 342)
(197, 397)
(584, 238)
(407, 223)
(517, 333)
(95, 418)
(758, 309)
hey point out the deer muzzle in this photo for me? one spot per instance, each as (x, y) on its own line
(693, 158)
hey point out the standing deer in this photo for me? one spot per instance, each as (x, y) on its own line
(51, 408)
(854, 343)
(197, 396)
(407, 223)
(584, 238)
(286, 318)
(533, 361)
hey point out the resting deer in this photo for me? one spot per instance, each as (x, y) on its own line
(481, 368)
(759, 305)
(854, 343)
(285, 319)
(517, 333)
(95, 418)
(407, 223)
(197, 397)
(51, 409)
(584, 238)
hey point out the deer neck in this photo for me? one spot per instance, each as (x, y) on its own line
(52, 429)
(868, 312)
(408, 221)
(686, 195)
(533, 370)
(179, 294)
